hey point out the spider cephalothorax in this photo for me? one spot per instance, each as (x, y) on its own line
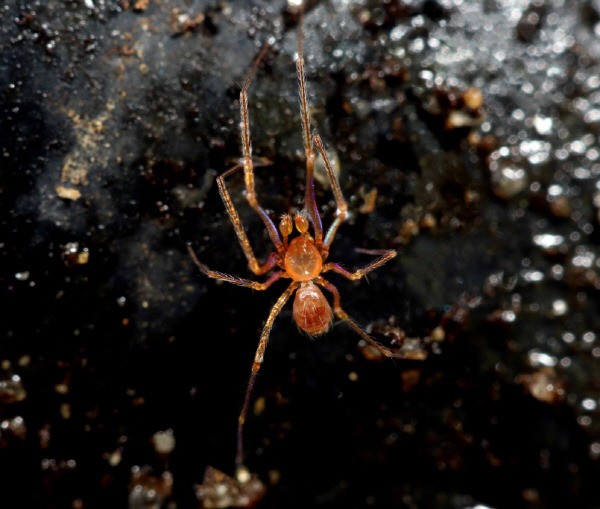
(301, 259)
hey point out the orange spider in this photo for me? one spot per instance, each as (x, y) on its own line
(301, 259)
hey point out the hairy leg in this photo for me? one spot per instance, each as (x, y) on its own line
(385, 255)
(309, 150)
(258, 358)
(255, 285)
(342, 315)
(247, 155)
(239, 229)
(342, 207)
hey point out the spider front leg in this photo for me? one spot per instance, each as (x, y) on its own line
(385, 256)
(239, 229)
(342, 207)
(258, 358)
(247, 155)
(342, 315)
(309, 150)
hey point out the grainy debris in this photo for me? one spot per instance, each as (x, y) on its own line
(218, 490)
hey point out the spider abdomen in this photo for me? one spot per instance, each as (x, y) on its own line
(312, 312)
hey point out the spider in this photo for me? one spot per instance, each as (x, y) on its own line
(301, 259)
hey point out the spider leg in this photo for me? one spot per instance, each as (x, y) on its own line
(258, 358)
(239, 229)
(309, 149)
(342, 315)
(385, 256)
(247, 155)
(255, 285)
(342, 207)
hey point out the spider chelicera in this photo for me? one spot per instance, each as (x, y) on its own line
(301, 259)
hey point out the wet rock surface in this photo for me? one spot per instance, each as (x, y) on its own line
(467, 139)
